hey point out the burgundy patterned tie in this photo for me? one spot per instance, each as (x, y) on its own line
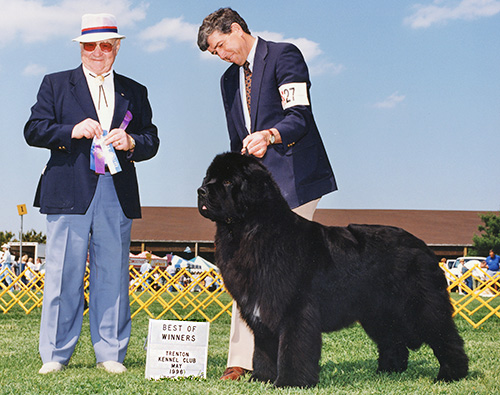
(248, 83)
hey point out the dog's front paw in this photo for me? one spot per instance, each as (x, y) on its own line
(262, 376)
(289, 382)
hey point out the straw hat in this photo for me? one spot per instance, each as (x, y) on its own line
(98, 27)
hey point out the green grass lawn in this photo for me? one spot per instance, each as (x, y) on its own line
(348, 365)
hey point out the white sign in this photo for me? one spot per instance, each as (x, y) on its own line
(177, 349)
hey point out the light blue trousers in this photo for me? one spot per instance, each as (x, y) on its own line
(103, 233)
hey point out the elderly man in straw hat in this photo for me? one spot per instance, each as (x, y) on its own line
(96, 124)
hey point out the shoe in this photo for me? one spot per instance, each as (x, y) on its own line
(233, 373)
(50, 367)
(112, 367)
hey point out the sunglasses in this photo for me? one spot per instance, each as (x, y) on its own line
(105, 47)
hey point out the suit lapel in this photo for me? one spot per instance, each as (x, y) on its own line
(81, 92)
(121, 103)
(233, 95)
(259, 67)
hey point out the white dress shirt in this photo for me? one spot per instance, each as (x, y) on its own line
(105, 108)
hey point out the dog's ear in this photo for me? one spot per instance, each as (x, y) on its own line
(244, 185)
(257, 184)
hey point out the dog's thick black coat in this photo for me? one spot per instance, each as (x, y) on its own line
(293, 279)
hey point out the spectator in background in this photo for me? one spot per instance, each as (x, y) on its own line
(19, 268)
(493, 263)
(39, 266)
(170, 274)
(464, 269)
(24, 262)
(30, 273)
(15, 265)
(145, 269)
(39, 270)
(22, 266)
(6, 265)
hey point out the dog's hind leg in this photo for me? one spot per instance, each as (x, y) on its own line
(392, 347)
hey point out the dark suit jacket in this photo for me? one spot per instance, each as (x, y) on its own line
(299, 164)
(67, 184)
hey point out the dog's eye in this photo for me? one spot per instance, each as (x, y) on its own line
(227, 183)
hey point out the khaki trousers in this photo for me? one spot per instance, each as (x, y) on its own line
(241, 342)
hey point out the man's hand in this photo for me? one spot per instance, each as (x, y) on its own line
(257, 142)
(120, 140)
(87, 129)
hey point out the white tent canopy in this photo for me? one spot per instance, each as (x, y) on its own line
(177, 261)
(199, 263)
(146, 256)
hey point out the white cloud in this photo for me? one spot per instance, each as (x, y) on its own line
(441, 11)
(323, 67)
(311, 51)
(171, 30)
(34, 21)
(34, 69)
(168, 29)
(391, 101)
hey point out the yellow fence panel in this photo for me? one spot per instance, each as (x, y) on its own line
(475, 294)
(25, 290)
(186, 295)
(183, 295)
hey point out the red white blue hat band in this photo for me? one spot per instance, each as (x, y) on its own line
(103, 29)
(98, 27)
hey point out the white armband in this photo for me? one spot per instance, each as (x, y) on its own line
(293, 94)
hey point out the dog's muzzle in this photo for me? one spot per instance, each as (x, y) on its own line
(202, 195)
(202, 192)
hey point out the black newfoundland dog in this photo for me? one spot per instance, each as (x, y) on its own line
(293, 279)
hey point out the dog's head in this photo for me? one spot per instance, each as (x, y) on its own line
(234, 186)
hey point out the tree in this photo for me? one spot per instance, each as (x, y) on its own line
(33, 236)
(489, 239)
(5, 237)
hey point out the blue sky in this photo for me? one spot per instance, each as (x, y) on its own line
(406, 94)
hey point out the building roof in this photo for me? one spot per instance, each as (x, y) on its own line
(172, 224)
(434, 227)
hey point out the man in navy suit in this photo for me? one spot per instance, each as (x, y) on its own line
(96, 124)
(268, 111)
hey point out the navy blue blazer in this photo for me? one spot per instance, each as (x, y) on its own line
(299, 165)
(67, 184)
